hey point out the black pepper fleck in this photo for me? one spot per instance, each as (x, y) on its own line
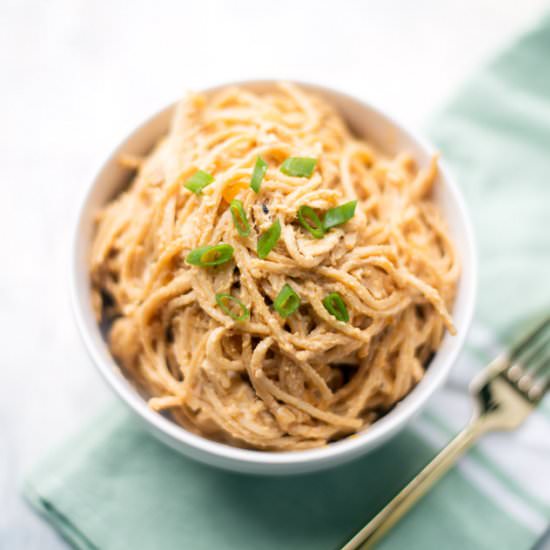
(265, 209)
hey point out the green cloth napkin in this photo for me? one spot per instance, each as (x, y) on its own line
(115, 487)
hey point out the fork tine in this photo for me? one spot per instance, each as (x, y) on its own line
(539, 363)
(519, 347)
(541, 384)
(532, 353)
(535, 382)
(526, 355)
(528, 362)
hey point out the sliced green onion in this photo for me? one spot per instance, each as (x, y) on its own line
(336, 307)
(339, 215)
(198, 181)
(224, 301)
(258, 174)
(301, 167)
(269, 239)
(287, 301)
(310, 221)
(210, 255)
(239, 217)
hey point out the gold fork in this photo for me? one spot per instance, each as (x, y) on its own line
(505, 392)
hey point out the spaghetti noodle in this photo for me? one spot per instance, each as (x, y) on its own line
(245, 290)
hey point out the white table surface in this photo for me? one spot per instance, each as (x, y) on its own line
(77, 75)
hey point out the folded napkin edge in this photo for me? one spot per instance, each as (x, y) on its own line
(63, 526)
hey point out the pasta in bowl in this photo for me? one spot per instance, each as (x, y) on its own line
(272, 279)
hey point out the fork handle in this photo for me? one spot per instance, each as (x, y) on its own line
(416, 488)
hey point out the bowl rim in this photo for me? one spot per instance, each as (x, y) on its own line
(214, 452)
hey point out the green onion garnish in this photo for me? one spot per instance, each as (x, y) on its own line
(339, 215)
(310, 221)
(269, 239)
(258, 174)
(210, 255)
(198, 181)
(239, 217)
(301, 167)
(287, 301)
(335, 306)
(224, 301)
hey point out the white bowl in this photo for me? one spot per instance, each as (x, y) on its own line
(391, 137)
